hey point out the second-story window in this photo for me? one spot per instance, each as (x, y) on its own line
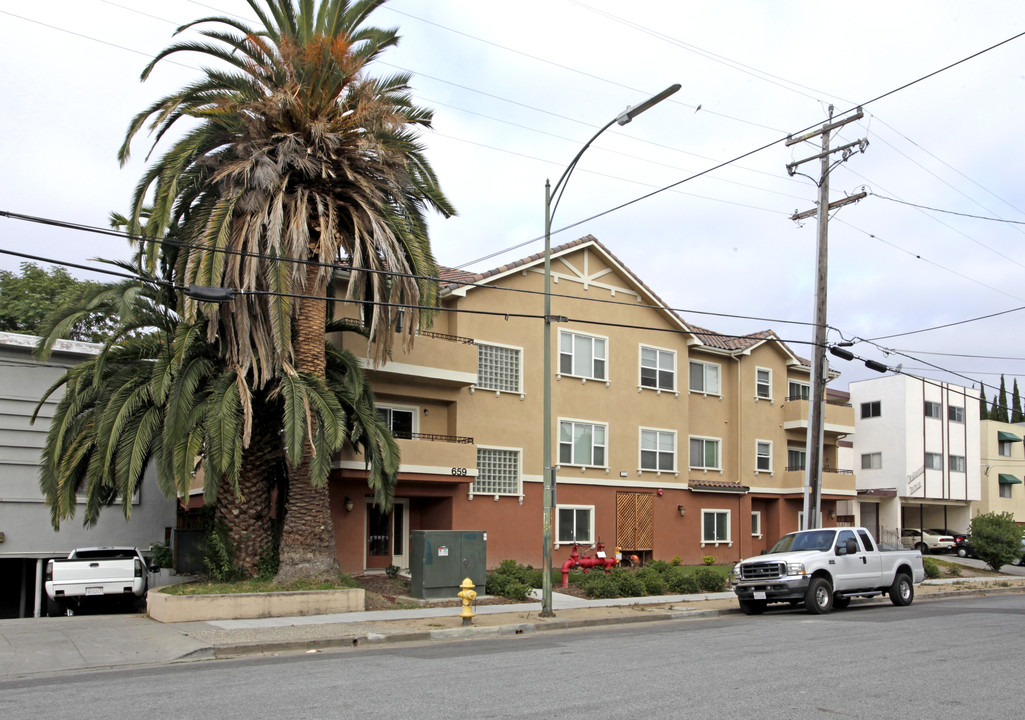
(933, 410)
(933, 461)
(955, 414)
(658, 450)
(704, 377)
(956, 463)
(1004, 448)
(763, 383)
(658, 369)
(582, 355)
(871, 409)
(796, 458)
(582, 443)
(797, 390)
(399, 420)
(498, 368)
(704, 453)
(871, 461)
(763, 456)
(498, 471)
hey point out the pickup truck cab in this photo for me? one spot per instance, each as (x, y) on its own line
(824, 569)
(88, 574)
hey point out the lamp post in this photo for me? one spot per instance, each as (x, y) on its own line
(549, 468)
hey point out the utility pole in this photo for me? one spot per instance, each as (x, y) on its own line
(819, 368)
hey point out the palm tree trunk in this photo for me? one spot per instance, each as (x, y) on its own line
(308, 535)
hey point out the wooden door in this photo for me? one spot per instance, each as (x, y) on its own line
(635, 521)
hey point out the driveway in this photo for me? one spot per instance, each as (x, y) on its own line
(976, 563)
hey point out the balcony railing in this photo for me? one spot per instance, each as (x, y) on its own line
(838, 403)
(357, 325)
(432, 437)
(801, 468)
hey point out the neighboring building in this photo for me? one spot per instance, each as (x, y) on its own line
(672, 440)
(916, 443)
(27, 539)
(1003, 467)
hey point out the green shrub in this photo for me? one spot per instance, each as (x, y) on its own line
(219, 557)
(996, 539)
(709, 580)
(954, 570)
(512, 580)
(652, 580)
(681, 582)
(660, 566)
(932, 568)
(599, 585)
(708, 559)
(392, 571)
(161, 555)
(677, 560)
(627, 582)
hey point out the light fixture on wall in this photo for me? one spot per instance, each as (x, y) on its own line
(682, 509)
(832, 514)
(348, 504)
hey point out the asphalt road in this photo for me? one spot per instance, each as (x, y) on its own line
(953, 658)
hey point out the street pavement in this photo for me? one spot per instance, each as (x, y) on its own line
(43, 646)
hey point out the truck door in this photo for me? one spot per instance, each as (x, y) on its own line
(853, 571)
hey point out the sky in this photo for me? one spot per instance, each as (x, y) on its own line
(693, 196)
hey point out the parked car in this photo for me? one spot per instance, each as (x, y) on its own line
(958, 536)
(930, 541)
(92, 574)
(963, 548)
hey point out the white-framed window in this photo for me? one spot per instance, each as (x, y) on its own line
(1005, 490)
(582, 355)
(871, 409)
(756, 523)
(871, 461)
(763, 456)
(658, 368)
(705, 378)
(797, 458)
(763, 383)
(715, 527)
(933, 461)
(955, 413)
(933, 410)
(956, 463)
(1004, 448)
(574, 523)
(705, 453)
(582, 443)
(498, 472)
(658, 450)
(797, 390)
(401, 420)
(499, 367)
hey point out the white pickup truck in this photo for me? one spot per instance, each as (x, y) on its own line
(825, 569)
(97, 572)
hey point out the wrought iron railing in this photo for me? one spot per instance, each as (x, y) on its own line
(432, 437)
(838, 403)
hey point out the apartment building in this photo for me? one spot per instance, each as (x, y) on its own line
(1002, 469)
(671, 440)
(917, 443)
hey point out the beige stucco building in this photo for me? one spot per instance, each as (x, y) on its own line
(1003, 467)
(671, 440)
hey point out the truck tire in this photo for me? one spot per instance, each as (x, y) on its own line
(818, 599)
(54, 608)
(840, 602)
(752, 607)
(922, 548)
(902, 592)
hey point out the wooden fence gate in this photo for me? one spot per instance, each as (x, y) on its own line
(635, 521)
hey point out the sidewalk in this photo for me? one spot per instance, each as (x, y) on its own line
(34, 646)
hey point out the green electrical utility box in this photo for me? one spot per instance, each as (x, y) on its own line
(441, 559)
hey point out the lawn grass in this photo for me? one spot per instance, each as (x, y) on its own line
(259, 586)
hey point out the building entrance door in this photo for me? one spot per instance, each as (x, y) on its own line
(388, 535)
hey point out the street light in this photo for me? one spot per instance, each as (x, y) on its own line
(549, 469)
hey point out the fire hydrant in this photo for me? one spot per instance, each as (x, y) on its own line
(468, 594)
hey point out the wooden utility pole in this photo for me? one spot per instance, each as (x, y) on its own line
(819, 368)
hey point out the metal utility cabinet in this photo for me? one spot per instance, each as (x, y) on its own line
(441, 559)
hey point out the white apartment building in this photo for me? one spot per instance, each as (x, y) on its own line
(916, 453)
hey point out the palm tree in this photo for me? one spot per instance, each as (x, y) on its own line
(297, 159)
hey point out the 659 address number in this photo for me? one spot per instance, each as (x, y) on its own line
(459, 471)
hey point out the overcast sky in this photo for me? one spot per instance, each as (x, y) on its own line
(518, 88)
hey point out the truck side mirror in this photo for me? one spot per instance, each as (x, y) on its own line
(852, 546)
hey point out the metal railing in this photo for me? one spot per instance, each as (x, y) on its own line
(432, 437)
(838, 403)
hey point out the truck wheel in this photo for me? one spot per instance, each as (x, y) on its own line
(752, 607)
(961, 552)
(840, 602)
(818, 599)
(902, 592)
(54, 608)
(922, 548)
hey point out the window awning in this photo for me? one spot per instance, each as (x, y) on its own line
(1007, 437)
(1009, 479)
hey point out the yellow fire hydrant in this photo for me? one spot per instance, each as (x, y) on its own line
(468, 594)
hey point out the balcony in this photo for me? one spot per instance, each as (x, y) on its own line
(839, 416)
(833, 479)
(435, 359)
(451, 457)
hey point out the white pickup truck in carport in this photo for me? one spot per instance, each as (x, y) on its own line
(825, 569)
(92, 573)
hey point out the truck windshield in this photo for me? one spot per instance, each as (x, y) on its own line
(813, 540)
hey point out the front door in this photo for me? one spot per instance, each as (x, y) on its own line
(388, 535)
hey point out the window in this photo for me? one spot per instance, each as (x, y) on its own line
(933, 461)
(704, 377)
(866, 540)
(574, 523)
(582, 443)
(763, 383)
(797, 458)
(956, 463)
(871, 461)
(798, 390)
(399, 420)
(1005, 490)
(955, 414)
(763, 456)
(658, 450)
(871, 409)
(715, 526)
(756, 523)
(841, 540)
(581, 355)
(1004, 448)
(498, 472)
(933, 410)
(498, 368)
(704, 453)
(658, 368)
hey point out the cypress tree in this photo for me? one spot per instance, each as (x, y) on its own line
(1016, 412)
(983, 410)
(1002, 408)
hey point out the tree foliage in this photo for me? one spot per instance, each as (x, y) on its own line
(983, 409)
(1000, 405)
(27, 299)
(1017, 415)
(996, 539)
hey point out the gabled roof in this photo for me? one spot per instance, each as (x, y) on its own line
(459, 282)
